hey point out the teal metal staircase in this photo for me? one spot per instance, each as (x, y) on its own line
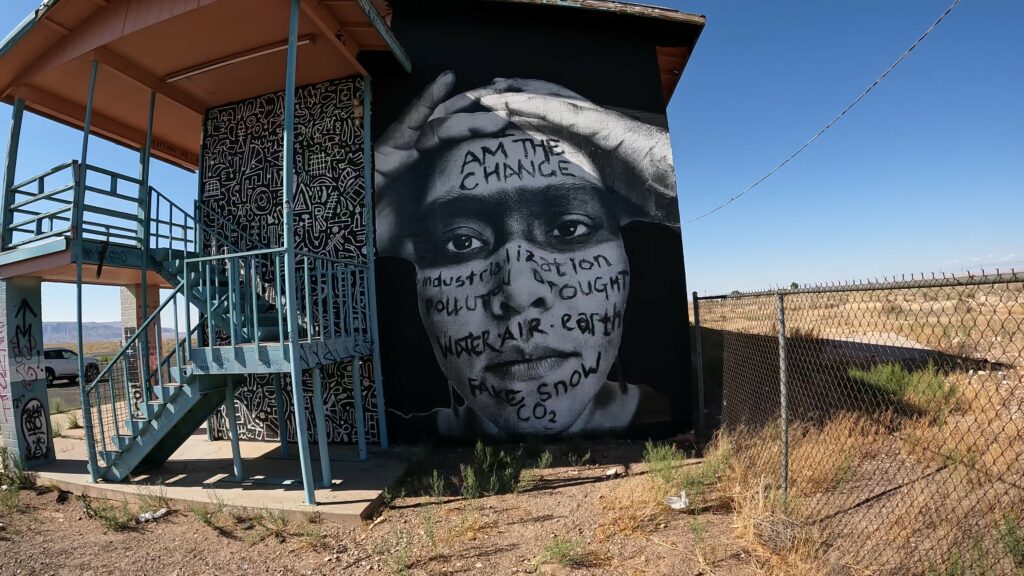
(227, 308)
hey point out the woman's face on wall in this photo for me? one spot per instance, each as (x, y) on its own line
(522, 279)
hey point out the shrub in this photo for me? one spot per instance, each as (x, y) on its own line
(12, 471)
(491, 472)
(545, 459)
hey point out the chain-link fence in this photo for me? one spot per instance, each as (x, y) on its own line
(887, 418)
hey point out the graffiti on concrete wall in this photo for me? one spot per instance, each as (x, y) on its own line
(26, 350)
(241, 184)
(34, 430)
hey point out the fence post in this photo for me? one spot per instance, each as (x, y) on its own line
(780, 317)
(701, 424)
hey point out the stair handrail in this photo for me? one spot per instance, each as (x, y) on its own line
(180, 346)
(142, 329)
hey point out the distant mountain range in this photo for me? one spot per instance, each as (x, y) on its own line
(67, 332)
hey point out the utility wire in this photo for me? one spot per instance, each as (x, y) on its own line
(833, 121)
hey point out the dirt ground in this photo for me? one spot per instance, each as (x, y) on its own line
(575, 517)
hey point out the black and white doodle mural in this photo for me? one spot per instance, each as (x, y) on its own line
(241, 194)
(528, 230)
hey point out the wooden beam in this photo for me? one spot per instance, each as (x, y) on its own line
(234, 58)
(133, 71)
(53, 25)
(61, 110)
(341, 38)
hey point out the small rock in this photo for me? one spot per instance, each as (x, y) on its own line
(479, 565)
(611, 472)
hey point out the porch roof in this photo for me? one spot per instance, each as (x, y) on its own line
(195, 54)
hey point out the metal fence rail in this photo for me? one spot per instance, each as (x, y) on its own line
(887, 415)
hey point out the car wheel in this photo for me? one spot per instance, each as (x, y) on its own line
(50, 376)
(91, 372)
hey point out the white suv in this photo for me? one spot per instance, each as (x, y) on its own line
(62, 364)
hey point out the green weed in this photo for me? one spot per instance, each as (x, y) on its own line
(437, 487)
(577, 460)
(491, 472)
(925, 390)
(401, 556)
(663, 461)
(112, 517)
(1011, 536)
(72, 421)
(10, 499)
(545, 459)
(152, 497)
(12, 471)
(272, 524)
(568, 552)
(470, 487)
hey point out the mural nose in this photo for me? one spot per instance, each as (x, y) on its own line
(523, 290)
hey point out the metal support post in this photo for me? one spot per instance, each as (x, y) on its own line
(289, 255)
(17, 114)
(699, 353)
(357, 393)
(76, 213)
(90, 445)
(321, 428)
(229, 409)
(780, 316)
(144, 155)
(282, 414)
(371, 277)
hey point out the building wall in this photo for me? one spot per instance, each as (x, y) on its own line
(241, 180)
(530, 279)
(530, 270)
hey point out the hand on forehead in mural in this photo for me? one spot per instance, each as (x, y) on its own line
(632, 158)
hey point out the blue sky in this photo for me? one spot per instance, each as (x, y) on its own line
(925, 175)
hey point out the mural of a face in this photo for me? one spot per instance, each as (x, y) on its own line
(522, 278)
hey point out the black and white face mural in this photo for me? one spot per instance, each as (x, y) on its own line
(510, 200)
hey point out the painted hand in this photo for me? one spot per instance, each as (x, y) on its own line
(427, 123)
(634, 158)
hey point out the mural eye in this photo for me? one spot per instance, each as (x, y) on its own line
(461, 243)
(572, 228)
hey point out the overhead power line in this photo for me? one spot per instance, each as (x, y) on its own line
(834, 120)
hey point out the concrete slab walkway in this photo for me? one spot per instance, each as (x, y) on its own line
(200, 472)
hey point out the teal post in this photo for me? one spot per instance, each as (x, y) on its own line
(321, 428)
(282, 415)
(357, 393)
(10, 169)
(24, 405)
(76, 228)
(289, 257)
(90, 445)
(76, 213)
(145, 362)
(229, 410)
(371, 277)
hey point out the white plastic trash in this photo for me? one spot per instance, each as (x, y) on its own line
(678, 502)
